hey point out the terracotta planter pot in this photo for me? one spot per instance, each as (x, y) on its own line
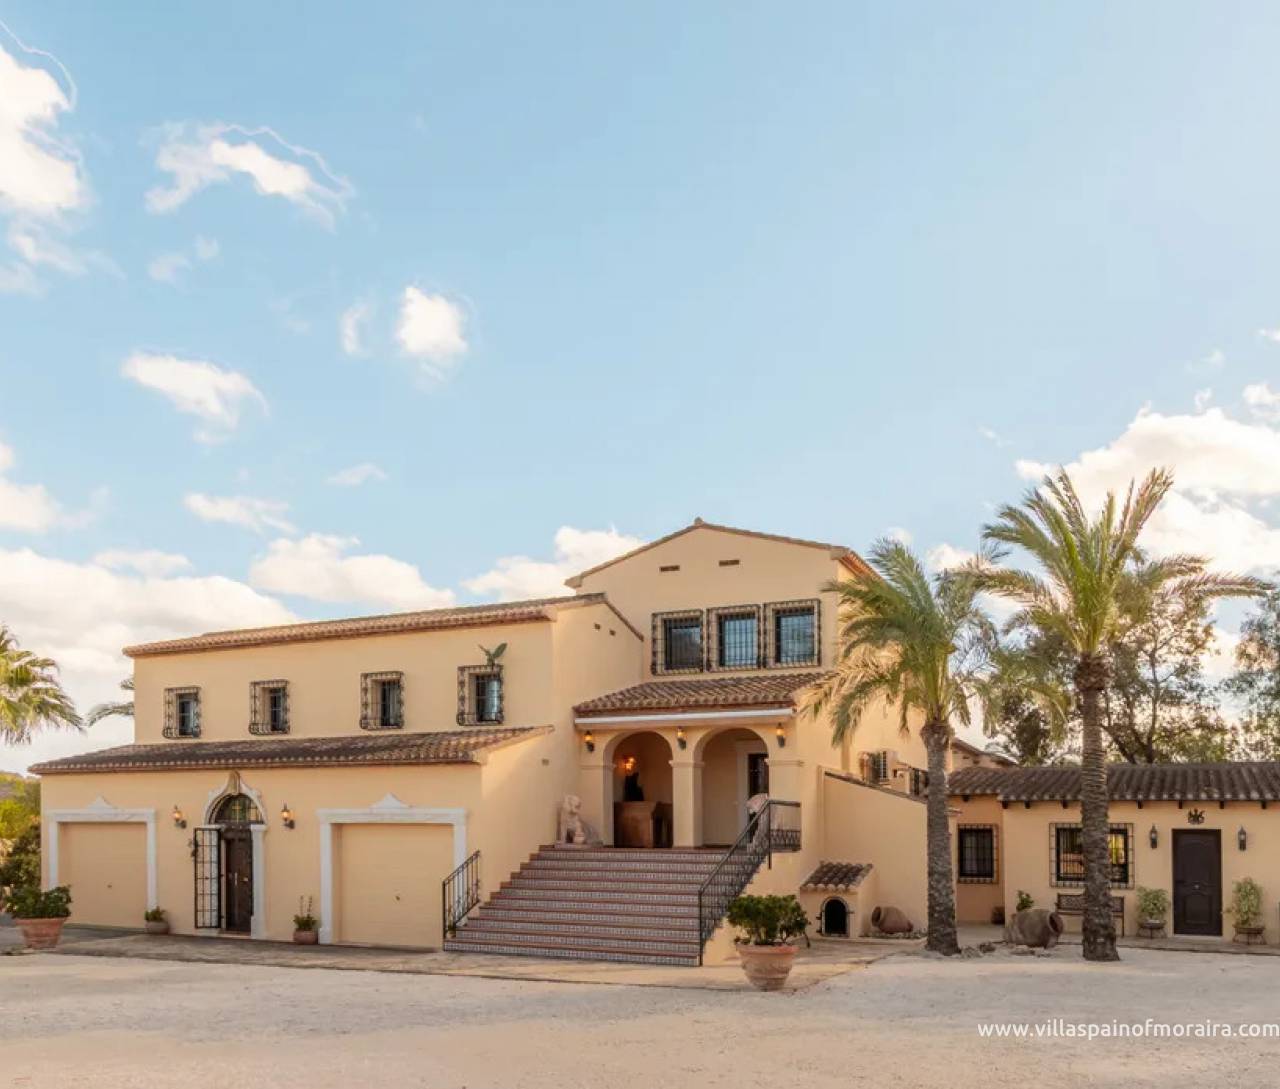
(306, 937)
(767, 966)
(40, 933)
(158, 926)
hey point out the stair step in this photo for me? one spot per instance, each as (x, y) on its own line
(574, 897)
(606, 943)
(629, 870)
(638, 888)
(570, 911)
(565, 951)
(659, 933)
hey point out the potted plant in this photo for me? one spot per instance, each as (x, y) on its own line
(767, 926)
(306, 927)
(40, 914)
(1153, 908)
(1025, 901)
(157, 922)
(1246, 909)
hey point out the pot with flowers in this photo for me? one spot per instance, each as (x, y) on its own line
(156, 920)
(306, 927)
(1153, 909)
(1246, 911)
(40, 913)
(768, 927)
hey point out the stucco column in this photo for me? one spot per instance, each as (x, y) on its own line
(595, 788)
(686, 800)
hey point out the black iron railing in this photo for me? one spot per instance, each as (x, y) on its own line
(776, 827)
(459, 894)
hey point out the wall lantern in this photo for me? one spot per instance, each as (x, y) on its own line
(781, 734)
(589, 739)
(1153, 837)
(179, 821)
(1242, 838)
(628, 764)
(286, 816)
(681, 740)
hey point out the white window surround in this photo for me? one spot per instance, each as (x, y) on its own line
(236, 785)
(101, 811)
(391, 810)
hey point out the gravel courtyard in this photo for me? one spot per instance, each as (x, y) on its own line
(71, 1021)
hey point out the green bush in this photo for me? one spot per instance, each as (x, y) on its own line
(21, 866)
(30, 902)
(1025, 901)
(153, 915)
(1246, 902)
(768, 920)
(1152, 903)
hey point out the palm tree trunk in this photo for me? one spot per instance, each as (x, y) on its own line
(942, 896)
(1097, 924)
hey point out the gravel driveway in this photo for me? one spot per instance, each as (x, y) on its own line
(68, 1021)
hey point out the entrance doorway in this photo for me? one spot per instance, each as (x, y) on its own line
(1197, 881)
(235, 816)
(757, 774)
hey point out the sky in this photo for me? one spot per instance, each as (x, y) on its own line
(309, 314)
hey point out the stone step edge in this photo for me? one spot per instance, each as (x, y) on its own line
(562, 953)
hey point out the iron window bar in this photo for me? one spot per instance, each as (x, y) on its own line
(181, 713)
(382, 700)
(481, 695)
(269, 707)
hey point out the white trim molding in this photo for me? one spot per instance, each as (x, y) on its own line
(586, 722)
(101, 811)
(390, 810)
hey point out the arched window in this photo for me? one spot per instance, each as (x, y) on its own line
(237, 809)
(835, 918)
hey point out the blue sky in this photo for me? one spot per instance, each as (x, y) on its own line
(817, 269)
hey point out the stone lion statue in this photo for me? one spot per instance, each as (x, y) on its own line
(572, 829)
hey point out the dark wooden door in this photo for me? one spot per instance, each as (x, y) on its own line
(757, 773)
(1197, 881)
(237, 880)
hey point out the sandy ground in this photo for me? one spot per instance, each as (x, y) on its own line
(69, 1021)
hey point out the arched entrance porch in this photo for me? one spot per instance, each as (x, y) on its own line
(735, 767)
(229, 862)
(641, 796)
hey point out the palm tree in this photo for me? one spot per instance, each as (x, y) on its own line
(31, 697)
(123, 708)
(1090, 570)
(913, 640)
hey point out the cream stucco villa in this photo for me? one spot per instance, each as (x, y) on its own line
(401, 771)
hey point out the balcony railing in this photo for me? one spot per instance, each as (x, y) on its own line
(459, 894)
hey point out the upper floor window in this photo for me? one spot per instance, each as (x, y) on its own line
(735, 637)
(269, 707)
(792, 633)
(181, 712)
(381, 701)
(677, 642)
(1068, 854)
(976, 853)
(479, 695)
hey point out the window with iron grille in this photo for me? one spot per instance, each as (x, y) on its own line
(918, 781)
(976, 853)
(879, 765)
(1066, 848)
(733, 635)
(181, 712)
(791, 633)
(381, 701)
(677, 642)
(269, 707)
(480, 695)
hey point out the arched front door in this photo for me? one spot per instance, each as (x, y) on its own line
(235, 814)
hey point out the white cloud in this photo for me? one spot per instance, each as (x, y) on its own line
(168, 267)
(82, 614)
(27, 507)
(944, 557)
(430, 330)
(355, 475)
(197, 156)
(148, 561)
(258, 515)
(899, 534)
(991, 435)
(319, 567)
(1203, 399)
(1270, 334)
(214, 395)
(350, 327)
(1263, 401)
(1214, 361)
(513, 578)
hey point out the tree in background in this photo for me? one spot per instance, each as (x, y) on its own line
(31, 697)
(1256, 680)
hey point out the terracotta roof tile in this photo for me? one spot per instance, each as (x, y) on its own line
(444, 747)
(686, 694)
(1126, 782)
(836, 877)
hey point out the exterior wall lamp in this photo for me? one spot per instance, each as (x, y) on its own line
(1242, 838)
(286, 816)
(179, 821)
(781, 734)
(1153, 837)
(681, 740)
(589, 739)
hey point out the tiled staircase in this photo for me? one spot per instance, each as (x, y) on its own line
(596, 903)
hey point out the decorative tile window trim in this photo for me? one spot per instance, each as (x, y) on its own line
(714, 616)
(658, 641)
(468, 705)
(1057, 880)
(370, 717)
(771, 613)
(171, 725)
(994, 877)
(260, 707)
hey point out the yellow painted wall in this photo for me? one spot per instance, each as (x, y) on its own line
(974, 902)
(106, 867)
(388, 882)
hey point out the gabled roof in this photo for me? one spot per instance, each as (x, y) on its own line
(973, 750)
(844, 555)
(444, 747)
(463, 616)
(703, 693)
(836, 877)
(1227, 782)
